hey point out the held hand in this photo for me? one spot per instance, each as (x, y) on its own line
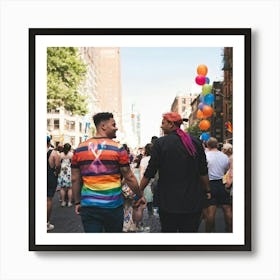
(77, 209)
(141, 200)
(208, 195)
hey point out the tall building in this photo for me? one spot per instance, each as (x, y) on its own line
(182, 106)
(64, 127)
(108, 82)
(221, 120)
(227, 93)
(102, 87)
(217, 119)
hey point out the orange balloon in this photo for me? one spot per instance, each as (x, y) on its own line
(207, 111)
(202, 70)
(204, 125)
(199, 114)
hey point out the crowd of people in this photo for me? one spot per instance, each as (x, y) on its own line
(176, 177)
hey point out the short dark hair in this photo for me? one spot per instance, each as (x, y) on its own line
(153, 139)
(212, 143)
(148, 149)
(66, 148)
(99, 117)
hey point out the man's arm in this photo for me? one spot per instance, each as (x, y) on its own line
(144, 182)
(131, 180)
(55, 158)
(206, 186)
(76, 187)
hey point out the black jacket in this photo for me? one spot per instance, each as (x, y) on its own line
(180, 190)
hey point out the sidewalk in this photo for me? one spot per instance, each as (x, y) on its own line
(65, 220)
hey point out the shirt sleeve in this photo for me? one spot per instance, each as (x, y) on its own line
(123, 157)
(74, 160)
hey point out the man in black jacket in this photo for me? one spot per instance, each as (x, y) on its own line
(183, 176)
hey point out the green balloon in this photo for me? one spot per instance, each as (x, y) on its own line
(206, 89)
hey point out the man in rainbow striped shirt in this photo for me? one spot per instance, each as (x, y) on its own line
(99, 163)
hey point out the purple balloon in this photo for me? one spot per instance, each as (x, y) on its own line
(201, 98)
(200, 106)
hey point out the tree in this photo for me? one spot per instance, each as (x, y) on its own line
(194, 130)
(65, 71)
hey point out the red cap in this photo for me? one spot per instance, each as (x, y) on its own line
(173, 117)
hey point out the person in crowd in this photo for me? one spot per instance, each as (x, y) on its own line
(153, 139)
(99, 162)
(136, 163)
(228, 178)
(53, 168)
(130, 155)
(143, 166)
(218, 164)
(64, 178)
(59, 147)
(132, 214)
(133, 220)
(154, 187)
(183, 176)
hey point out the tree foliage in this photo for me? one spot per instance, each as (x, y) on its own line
(194, 130)
(65, 71)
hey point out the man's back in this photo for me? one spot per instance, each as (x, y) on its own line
(218, 164)
(99, 161)
(179, 174)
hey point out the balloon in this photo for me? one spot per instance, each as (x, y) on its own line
(204, 124)
(201, 98)
(205, 136)
(202, 70)
(207, 80)
(207, 111)
(206, 89)
(200, 106)
(209, 98)
(199, 114)
(200, 80)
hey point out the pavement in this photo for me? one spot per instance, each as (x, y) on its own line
(66, 220)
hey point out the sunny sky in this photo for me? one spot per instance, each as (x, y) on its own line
(152, 77)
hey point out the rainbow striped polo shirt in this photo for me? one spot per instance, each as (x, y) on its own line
(99, 161)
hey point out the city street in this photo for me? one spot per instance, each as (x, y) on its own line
(66, 221)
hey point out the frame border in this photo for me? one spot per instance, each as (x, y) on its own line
(246, 32)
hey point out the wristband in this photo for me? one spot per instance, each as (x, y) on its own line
(136, 198)
(77, 203)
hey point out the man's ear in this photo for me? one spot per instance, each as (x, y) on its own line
(103, 125)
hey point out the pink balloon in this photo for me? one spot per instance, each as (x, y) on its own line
(200, 80)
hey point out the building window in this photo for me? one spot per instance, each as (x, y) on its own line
(72, 125)
(56, 123)
(53, 111)
(69, 125)
(72, 141)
